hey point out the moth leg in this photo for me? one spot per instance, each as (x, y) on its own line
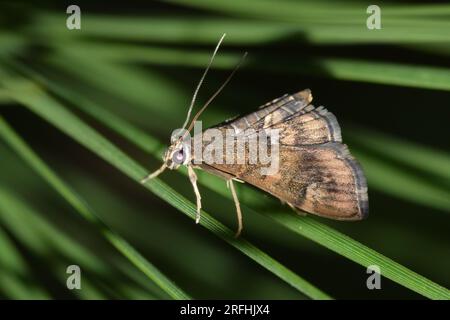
(299, 212)
(154, 174)
(193, 178)
(230, 185)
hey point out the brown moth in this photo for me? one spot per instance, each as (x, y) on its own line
(316, 174)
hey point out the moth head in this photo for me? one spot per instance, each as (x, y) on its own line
(179, 153)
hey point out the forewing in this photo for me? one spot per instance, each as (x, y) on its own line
(276, 110)
(320, 179)
(309, 126)
(298, 122)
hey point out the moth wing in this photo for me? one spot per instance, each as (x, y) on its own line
(298, 122)
(327, 181)
(279, 108)
(316, 171)
(321, 179)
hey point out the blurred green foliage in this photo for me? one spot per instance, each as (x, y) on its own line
(84, 114)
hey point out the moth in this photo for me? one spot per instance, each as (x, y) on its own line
(316, 173)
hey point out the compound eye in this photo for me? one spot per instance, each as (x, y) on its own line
(179, 156)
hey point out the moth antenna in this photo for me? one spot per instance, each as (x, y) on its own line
(155, 173)
(217, 92)
(194, 97)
